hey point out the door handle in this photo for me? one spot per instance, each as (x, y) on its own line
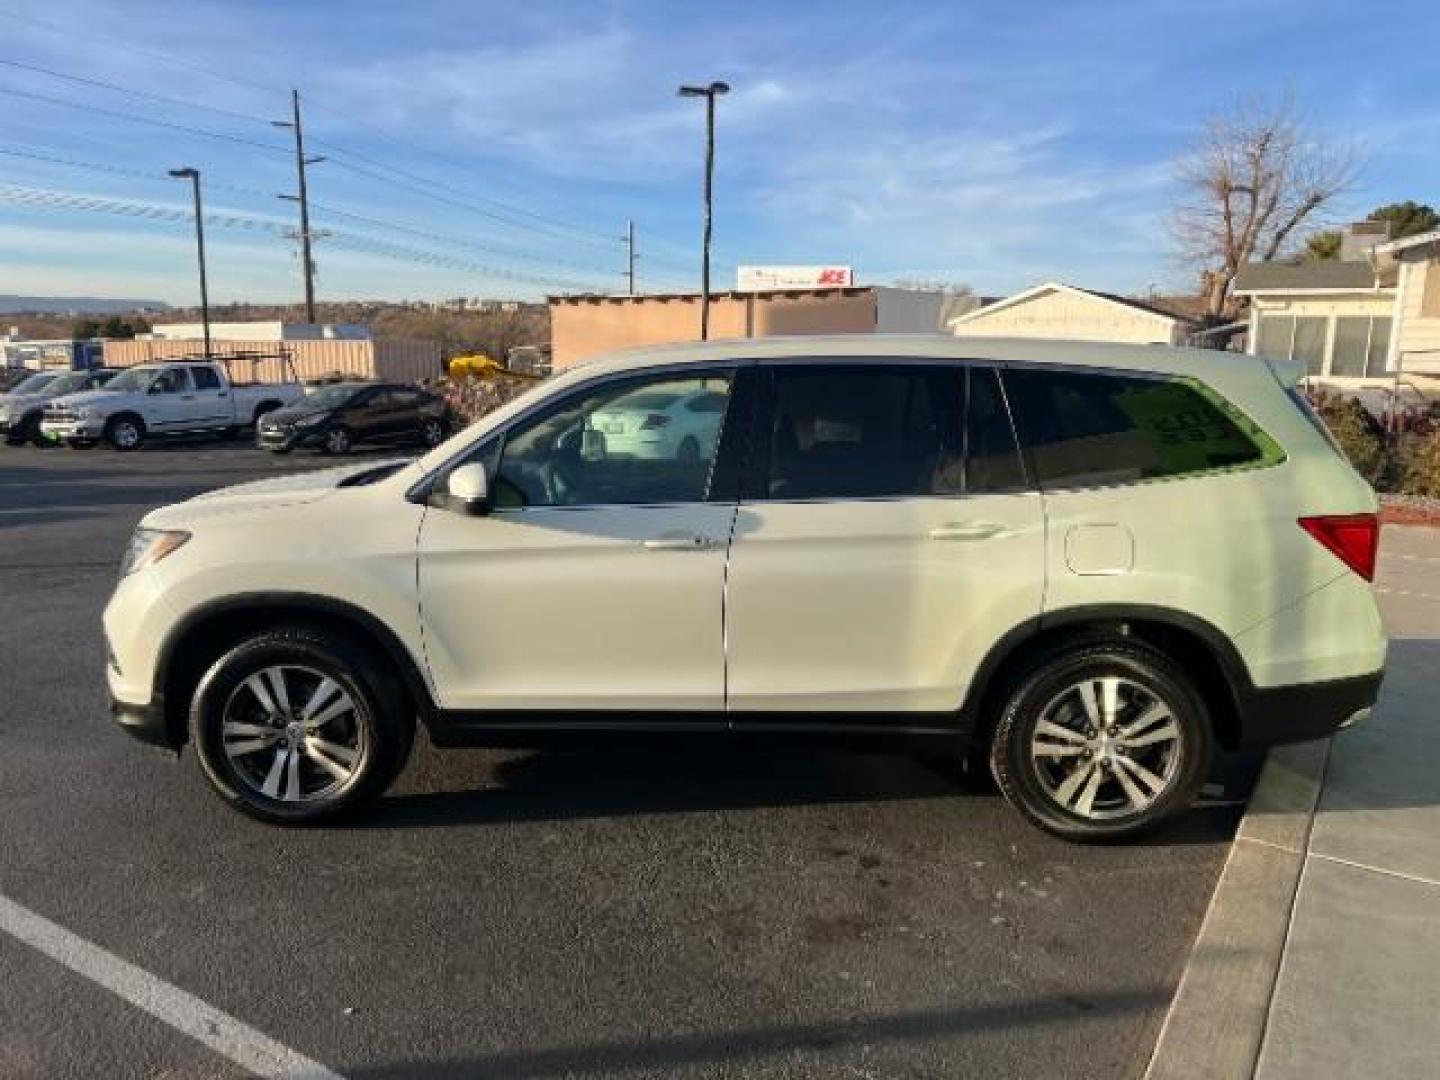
(968, 530)
(679, 542)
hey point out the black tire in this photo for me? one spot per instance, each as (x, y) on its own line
(337, 441)
(383, 725)
(125, 433)
(1145, 675)
(433, 432)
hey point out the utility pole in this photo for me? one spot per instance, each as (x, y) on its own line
(709, 93)
(303, 198)
(193, 175)
(630, 256)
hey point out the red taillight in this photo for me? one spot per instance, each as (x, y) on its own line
(653, 421)
(1352, 538)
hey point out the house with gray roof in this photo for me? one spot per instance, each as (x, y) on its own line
(1369, 320)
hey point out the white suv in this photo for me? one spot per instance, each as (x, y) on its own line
(1082, 564)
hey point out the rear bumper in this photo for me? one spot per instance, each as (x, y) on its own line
(1305, 711)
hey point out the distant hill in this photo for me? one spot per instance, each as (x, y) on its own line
(78, 305)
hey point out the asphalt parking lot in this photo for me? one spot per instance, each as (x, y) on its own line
(646, 910)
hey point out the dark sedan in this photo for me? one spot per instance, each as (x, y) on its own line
(334, 418)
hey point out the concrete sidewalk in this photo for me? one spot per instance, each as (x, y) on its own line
(1320, 955)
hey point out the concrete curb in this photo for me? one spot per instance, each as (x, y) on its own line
(1217, 1022)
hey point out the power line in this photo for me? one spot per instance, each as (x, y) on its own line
(173, 60)
(148, 95)
(325, 208)
(50, 199)
(137, 118)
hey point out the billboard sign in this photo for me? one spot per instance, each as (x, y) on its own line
(761, 278)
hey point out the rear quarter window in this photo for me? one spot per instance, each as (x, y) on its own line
(1092, 428)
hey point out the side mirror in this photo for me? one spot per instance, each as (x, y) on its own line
(155, 388)
(469, 490)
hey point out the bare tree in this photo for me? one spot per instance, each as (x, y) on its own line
(1255, 179)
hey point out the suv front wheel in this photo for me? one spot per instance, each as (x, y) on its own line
(1102, 742)
(295, 725)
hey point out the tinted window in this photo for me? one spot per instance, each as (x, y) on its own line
(621, 443)
(205, 378)
(1108, 429)
(992, 460)
(848, 432)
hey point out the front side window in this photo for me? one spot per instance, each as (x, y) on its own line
(848, 432)
(635, 441)
(1084, 429)
(172, 381)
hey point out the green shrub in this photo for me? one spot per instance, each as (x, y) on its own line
(1419, 466)
(1356, 432)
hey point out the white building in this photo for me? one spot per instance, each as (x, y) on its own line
(261, 330)
(1357, 323)
(1057, 310)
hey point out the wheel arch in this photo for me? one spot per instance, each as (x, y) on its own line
(269, 405)
(196, 640)
(1201, 648)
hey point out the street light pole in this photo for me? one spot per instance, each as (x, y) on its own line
(193, 175)
(709, 93)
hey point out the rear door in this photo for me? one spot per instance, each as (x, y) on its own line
(875, 561)
(209, 406)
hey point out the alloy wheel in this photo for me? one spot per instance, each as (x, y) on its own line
(293, 734)
(1106, 748)
(338, 441)
(433, 433)
(127, 435)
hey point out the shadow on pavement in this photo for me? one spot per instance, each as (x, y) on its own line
(619, 777)
(657, 1057)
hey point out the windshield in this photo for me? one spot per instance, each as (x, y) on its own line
(68, 384)
(137, 378)
(35, 383)
(329, 397)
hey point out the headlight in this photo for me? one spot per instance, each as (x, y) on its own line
(311, 420)
(149, 546)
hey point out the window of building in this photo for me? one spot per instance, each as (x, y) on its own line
(1358, 346)
(1084, 429)
(1309, 346)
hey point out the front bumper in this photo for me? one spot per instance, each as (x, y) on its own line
(67, 430)
(287, 438)
(1305, 711)
(145, 722)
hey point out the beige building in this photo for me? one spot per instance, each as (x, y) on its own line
(585, 326)
(1358, 323)
(1056, 310)
(390, 361)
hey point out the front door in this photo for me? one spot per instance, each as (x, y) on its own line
(596, 582)
(875, 561)
(170, 400)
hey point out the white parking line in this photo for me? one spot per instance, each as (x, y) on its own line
(184, 1012)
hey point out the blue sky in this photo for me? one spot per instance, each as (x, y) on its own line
(999, 145)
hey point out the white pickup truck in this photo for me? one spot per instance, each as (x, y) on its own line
(172, 398)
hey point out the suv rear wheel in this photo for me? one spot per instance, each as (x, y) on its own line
(1102, 741)
(296, 725)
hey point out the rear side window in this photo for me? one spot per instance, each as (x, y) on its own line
(205, 378)
(992, 460)
(852, 432)
(1083, 429)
